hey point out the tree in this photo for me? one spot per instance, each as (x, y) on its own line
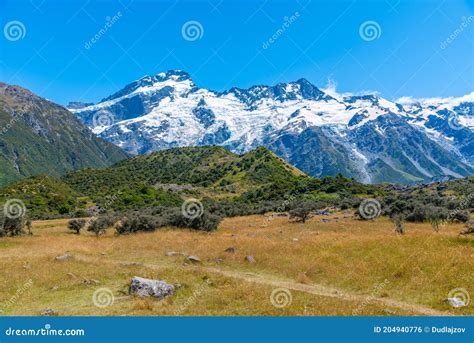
(76, 225)
(301, 212)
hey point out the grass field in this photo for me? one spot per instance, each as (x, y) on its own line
(340, 267)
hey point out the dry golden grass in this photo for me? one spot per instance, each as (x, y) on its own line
(333, 268)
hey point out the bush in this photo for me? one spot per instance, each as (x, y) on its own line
(137, 223)
(81, 214)
(301, 211)
(14, 226)
(152, 219)
(469, 228)
(101, 224)
(205, 222)
(76, 225)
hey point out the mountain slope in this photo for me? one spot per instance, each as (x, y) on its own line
(364, 136)
(40, 137)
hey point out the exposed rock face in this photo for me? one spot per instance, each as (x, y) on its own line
(150, 288)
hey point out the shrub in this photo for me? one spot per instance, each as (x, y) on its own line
(76, 225)
(469, 228)
(137, 223)
(153, 219)
(101, 224)
(205, 222)
(461, 216)
(81, 214)
(301, 211)
(14, 226)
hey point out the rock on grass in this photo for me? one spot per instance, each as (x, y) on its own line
(150, 288)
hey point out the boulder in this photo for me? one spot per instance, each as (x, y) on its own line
(250, 259)
(90, 281)
(174, 253)
(456, 302)
(48, 312)
(193, 259)
(64, 257)
(150, 288)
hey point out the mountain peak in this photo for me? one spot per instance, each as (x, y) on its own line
(15, 91)
(176, 75)
(150, 80)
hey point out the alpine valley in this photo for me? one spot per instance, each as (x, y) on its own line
(319, 131)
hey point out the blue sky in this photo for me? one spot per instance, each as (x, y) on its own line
(410, 54)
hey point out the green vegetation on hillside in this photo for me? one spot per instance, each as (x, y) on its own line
(40, 137)
(227, 185)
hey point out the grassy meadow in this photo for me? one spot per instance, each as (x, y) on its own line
(338, 267)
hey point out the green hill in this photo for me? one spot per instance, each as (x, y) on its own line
(165, 178)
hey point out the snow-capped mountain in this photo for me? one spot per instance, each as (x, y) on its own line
(320, 132)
